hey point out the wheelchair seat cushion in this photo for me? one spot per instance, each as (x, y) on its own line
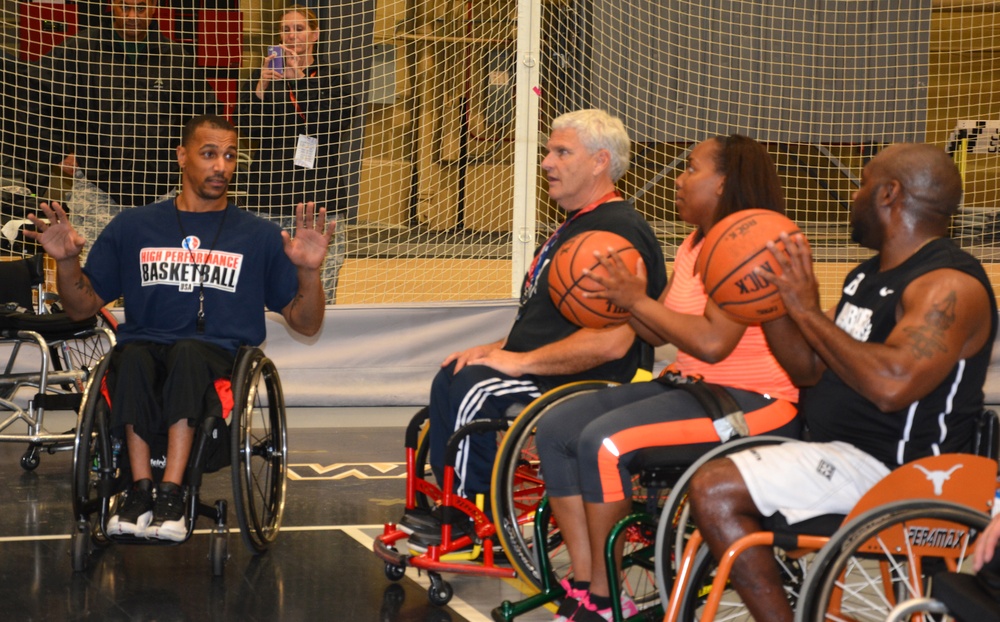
(51, 326)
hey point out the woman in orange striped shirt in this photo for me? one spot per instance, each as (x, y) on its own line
(586, 444)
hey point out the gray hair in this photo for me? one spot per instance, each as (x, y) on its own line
(598, 130)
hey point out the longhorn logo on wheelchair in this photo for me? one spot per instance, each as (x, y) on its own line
(938, 478)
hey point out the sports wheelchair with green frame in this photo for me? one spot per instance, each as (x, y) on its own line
(632, 548)
(254, 444)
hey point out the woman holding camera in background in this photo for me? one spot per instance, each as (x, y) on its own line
(293, 110)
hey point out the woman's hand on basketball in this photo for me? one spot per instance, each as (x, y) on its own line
(56, 235)
(312, 237)
(623, 288)
(797, 282)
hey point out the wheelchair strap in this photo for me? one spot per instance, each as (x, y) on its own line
(727, 416)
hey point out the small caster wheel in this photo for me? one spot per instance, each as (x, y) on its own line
(99, 538)
(80, 547)
(30, 459)
(219, 553)
(439, 593)
(394, 572)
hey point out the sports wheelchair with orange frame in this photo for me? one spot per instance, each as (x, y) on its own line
(253, 443)
(923, 517)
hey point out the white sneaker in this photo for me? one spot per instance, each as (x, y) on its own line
(136, 512)
(169, 522)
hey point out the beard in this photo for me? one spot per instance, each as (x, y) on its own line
(210, 192)
(866, 230)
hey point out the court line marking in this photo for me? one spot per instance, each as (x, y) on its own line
(199, 532)
(456, 604)
(356, 533)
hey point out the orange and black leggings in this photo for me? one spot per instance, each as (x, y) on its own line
(586, 444)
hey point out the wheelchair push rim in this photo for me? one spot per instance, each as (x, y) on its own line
(259, 450)
(885, 556)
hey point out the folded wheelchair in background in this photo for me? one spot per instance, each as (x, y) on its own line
(49, 358)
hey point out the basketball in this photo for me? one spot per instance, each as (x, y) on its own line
(567, 283)
(734, 247)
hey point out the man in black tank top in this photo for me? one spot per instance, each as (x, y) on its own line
(895, 371)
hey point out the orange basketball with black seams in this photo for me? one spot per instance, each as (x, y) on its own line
(734, 247)
(567, 283)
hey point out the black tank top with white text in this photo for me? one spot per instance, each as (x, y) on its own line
(942, 421)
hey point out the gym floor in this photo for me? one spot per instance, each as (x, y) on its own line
(344, 483)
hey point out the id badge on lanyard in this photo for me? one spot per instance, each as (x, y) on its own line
(306, 147)
(305, 151)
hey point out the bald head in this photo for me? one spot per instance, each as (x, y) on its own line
(931, 184)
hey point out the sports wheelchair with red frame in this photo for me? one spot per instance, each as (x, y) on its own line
(515, 491)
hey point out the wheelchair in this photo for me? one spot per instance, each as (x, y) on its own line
(254, 444)
(857, 567)
(516, 488)
(49, 355)
(658, 474)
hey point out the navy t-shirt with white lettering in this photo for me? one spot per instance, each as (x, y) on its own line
(160, 258)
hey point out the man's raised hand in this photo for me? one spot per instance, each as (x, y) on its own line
(56, 235)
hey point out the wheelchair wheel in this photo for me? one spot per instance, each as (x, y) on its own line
(731, 607)
(885, 556)
(85, 352)
(259, 449)
(98, 473)
(517, 487)
(675, 526)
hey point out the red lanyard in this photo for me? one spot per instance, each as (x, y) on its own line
(539, 260)
(295, 102)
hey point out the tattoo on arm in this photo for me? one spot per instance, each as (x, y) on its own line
(928, 339)
(83, 285)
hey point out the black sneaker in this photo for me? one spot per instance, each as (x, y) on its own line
(169, 522)
(420, 541)
(136, 512)
(418, 520)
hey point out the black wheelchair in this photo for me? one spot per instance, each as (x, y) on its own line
(253, 443)
(49, 358)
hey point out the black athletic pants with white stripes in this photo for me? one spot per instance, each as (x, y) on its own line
(475, 392)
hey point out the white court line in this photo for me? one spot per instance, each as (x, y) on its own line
(200, 532)
(458, 605)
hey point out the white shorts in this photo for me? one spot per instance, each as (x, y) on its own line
(804, 480)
